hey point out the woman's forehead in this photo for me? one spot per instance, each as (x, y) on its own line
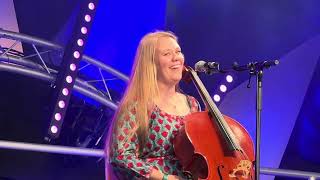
(167, 43)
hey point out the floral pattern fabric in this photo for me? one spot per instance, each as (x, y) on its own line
(158, 152)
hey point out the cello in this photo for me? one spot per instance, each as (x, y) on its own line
(213, 146)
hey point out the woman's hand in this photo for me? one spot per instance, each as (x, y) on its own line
(158, 175)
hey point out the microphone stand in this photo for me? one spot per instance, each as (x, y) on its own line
(257, 70)
(259, 75)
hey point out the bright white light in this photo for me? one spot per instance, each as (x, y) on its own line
(87, 18)
(57, 116)
(76, 54)
(223, 88)
(229, 78)
(65, 91)
(91, 6)
(72, 67)
(54, 129)
(61, 104)
(84, 30)
(80, 42)
(216, 98)
(69, 79)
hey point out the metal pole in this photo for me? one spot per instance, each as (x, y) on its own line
(258, 123)
(51, 149)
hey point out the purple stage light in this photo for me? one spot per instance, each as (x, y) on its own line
(73, 67)
(216, 98)
(61, 104)
(65, 91)
(91, 6)
(76, 54)
(87, 18)
(223, 88)
(229, 78)
(57, 116)
(54, 129)
(84, 30)
(69, 79)
(80, 42)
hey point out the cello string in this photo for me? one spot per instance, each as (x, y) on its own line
(206, 97)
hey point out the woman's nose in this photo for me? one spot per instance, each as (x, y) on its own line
(177, 57)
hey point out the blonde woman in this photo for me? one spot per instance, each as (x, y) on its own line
(139, 144)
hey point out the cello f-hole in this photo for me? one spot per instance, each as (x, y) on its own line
(219, 171)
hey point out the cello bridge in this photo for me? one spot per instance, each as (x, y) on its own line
(243, 169)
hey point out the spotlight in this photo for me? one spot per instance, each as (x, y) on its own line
(57, 116)
(223, 88)
(229, 78)
(80, 42)
(87, 18)
(76, 54)
(65, 91)
(72, 67)
(61, 104)
(84, 30)
(91, 6)
(54, 129)
(216, 98)
(69, 79)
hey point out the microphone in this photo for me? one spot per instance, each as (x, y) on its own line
(255, 65)
(270, 63)
(206, 67)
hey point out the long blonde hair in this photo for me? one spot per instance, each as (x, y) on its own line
(142, 88)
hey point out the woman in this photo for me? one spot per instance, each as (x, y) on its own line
(139, 145)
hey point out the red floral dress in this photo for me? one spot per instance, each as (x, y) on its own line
(158, 152)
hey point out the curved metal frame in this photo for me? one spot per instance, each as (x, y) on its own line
(79, 86)
(26, 67)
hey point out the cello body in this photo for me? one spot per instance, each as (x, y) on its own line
(201, 150)
(213, 146)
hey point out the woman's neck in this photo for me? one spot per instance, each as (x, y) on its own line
(166, 91)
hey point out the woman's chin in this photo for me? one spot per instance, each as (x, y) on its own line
(176, 79)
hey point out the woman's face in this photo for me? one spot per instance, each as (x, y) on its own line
(169, 61)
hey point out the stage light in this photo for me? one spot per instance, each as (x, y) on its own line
(223, 88)
(216, 98)
(229, 78)
(80, 42)
(84, 30)
(72, 67)
(91, 6)
(54, 129)
(67, 74)
(69, 79)
(87, 18)
(65, 91)
(61, 104)
(57, 116)
(76, 54)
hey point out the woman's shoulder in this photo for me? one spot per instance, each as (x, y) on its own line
(188, 97)
(192, 101)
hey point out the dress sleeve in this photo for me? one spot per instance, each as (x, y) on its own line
(124, 149)
(194, 104)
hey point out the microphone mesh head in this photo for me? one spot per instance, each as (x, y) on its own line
(200, 66)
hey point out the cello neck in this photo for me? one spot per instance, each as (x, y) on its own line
(227, 134)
